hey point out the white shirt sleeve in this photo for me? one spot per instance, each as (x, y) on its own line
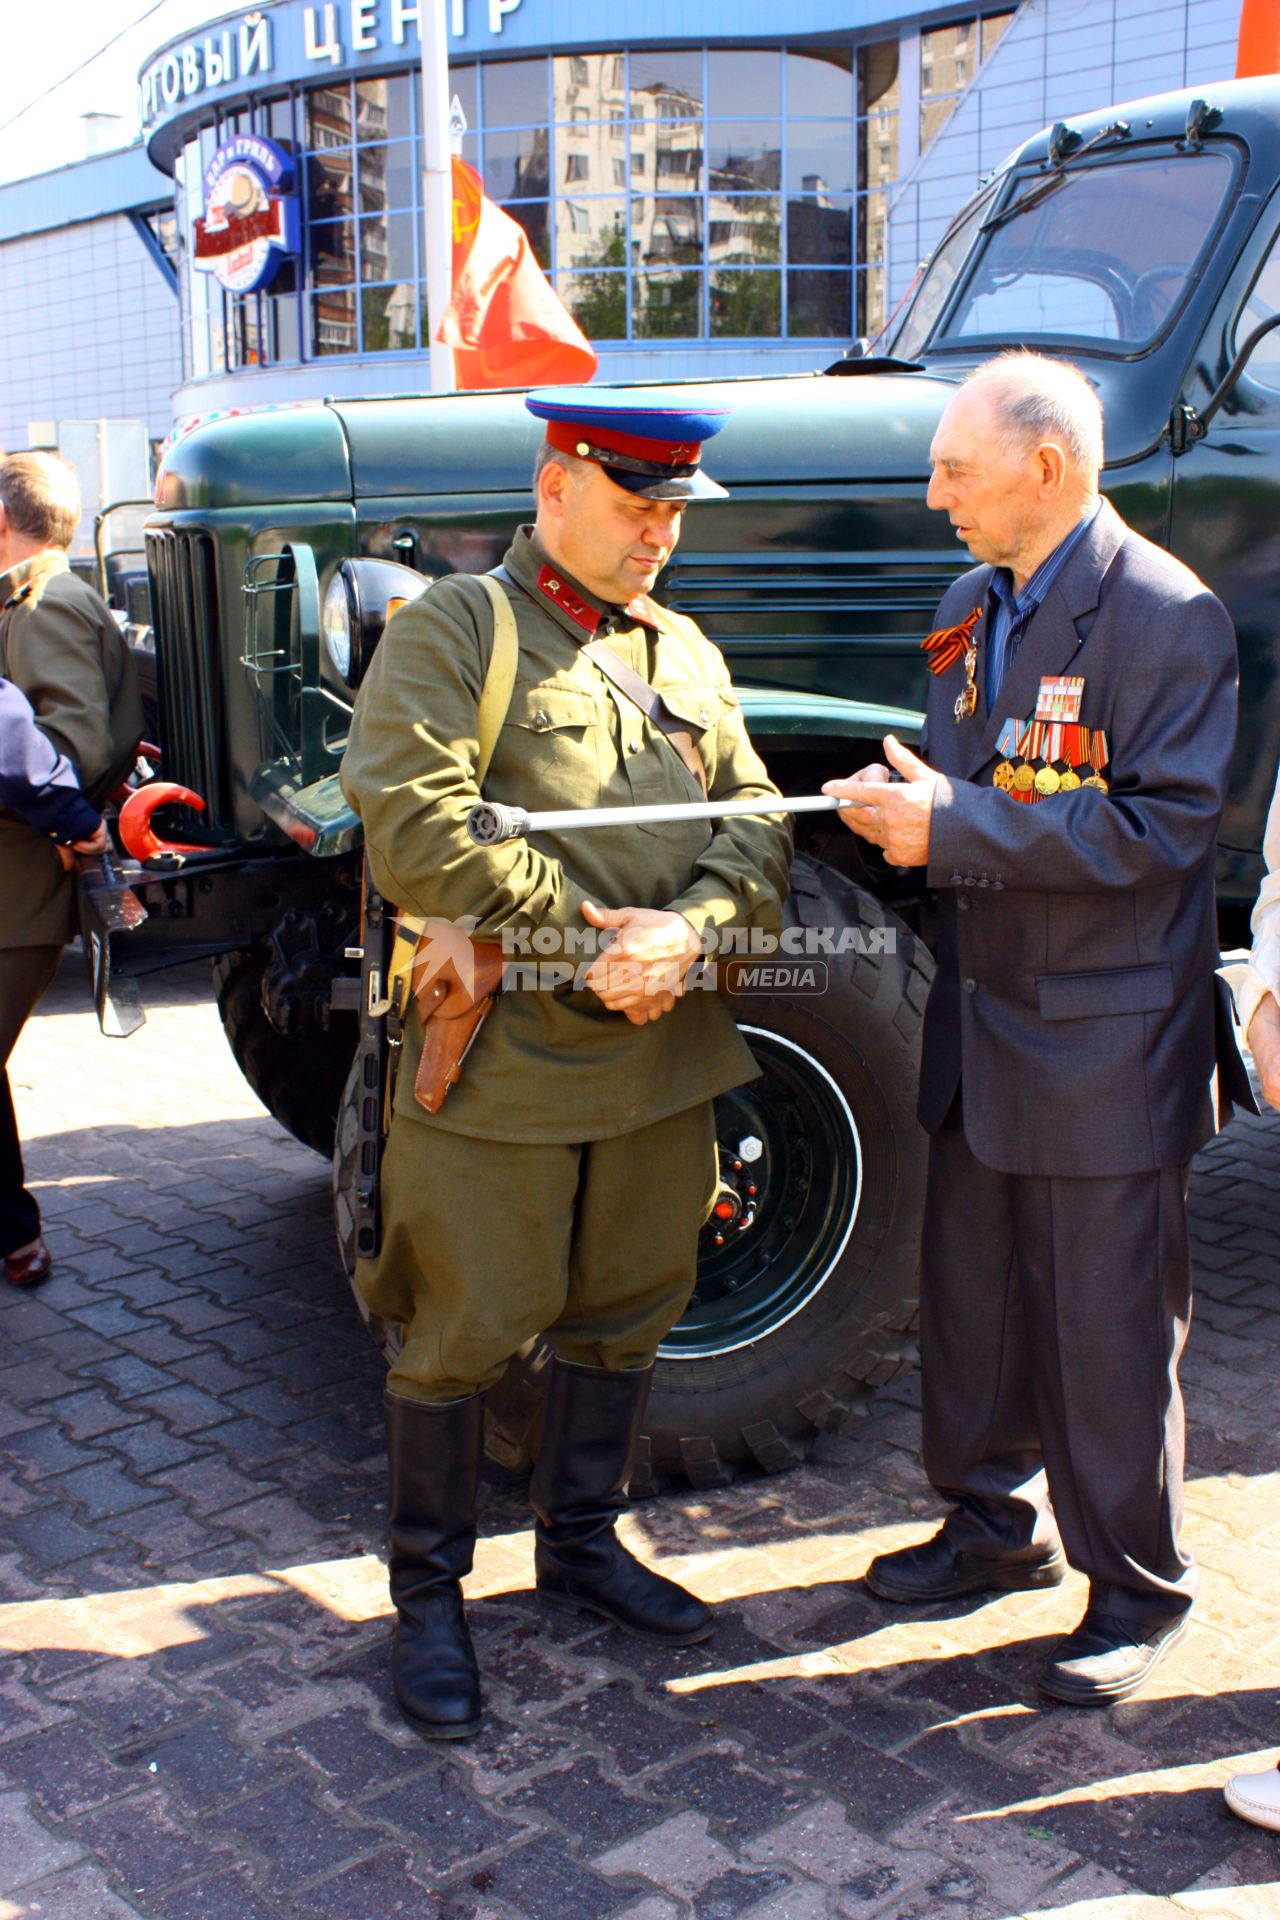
(1253, 980)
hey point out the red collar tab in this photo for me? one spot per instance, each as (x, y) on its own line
(554, 586)
(569, 436)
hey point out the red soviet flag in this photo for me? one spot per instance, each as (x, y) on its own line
(507, 325)
(1258, 50)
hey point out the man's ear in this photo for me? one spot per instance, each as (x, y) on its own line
(1052, 463)
(554, 483)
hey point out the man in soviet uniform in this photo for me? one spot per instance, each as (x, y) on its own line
(561, 1186)
(61, 648)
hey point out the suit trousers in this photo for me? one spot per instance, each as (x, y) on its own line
(25, 972)
(1053, 1314)
(487, 1243)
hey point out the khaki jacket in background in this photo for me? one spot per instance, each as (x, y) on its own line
(59, 644)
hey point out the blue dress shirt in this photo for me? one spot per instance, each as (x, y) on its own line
(1008, 612)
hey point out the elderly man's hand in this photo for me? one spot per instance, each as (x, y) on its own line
(1264, 1044)
(892, 815)
(641, 973)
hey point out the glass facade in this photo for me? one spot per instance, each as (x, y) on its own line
(696, 194)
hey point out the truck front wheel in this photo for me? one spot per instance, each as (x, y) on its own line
(807, 1271)
(299, 1079)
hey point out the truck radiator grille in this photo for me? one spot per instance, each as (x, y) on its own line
(184, 606)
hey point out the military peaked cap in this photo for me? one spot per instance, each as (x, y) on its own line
(648, 440)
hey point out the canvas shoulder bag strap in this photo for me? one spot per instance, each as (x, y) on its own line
(634, 687)
(495, 699)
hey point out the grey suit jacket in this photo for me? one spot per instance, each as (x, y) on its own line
(1075, 990)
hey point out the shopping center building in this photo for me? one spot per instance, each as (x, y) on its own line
(714, 186)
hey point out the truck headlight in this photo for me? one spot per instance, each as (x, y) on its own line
(360, 599)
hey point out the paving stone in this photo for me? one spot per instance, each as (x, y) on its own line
(224, 1896)
(542, 1882)
(50, 1539)
(104, 1489)
(206, 1767)
(27, 1848)
(44, 1449)
(452, 1827)
(736, 1893)
(616, 1717)
(145, 1848)
(384, 1885)
(64, 1772)
(294, 1837)
(737, 1799)
(185, 1409)
(77, 1893)
(880, 1789)
(351, 1755)
(679, 1855)
(582, 1801)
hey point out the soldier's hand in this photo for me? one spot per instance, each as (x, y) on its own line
(99, 840)
(892, 815)
(1263, 1040)
(641, 973)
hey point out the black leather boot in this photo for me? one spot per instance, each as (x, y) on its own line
(434, 1456)
(579, 1490)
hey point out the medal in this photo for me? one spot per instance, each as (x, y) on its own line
(1069, 781)
(967, 703)
(1003, 777)
(1024, 778)
(1096, 780)
(1047, 781)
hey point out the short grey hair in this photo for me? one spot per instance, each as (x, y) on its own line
(1038, 399)
(548, 455)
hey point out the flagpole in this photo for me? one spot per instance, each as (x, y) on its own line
(437, 186)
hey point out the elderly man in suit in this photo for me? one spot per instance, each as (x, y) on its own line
(1079, 734)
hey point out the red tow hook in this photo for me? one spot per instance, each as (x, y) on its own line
(135, 819)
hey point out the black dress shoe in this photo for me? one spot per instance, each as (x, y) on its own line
(935, 1570)
(1108, 1658)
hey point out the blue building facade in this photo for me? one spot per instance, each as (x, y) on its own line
(713, 186)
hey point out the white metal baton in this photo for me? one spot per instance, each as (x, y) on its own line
(491, 823)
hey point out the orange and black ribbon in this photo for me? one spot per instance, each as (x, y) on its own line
(946, 645)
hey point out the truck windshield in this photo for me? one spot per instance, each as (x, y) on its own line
(1106, 257)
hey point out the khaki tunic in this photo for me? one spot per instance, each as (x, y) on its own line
(555, 1065)
(59, 644)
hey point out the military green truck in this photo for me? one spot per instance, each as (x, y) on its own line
(1142, 243)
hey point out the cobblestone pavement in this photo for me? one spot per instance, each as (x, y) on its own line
(195, 1721)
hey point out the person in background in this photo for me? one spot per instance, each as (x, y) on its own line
(64, 656)
(1256, 985)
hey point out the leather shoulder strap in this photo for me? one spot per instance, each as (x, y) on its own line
(500, 680)
(634, 687)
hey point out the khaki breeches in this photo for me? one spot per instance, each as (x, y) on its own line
(486, 1243)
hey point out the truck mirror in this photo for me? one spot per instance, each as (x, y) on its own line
(360, 599)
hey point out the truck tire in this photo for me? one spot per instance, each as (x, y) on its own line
(299, 1082)
(810, 1300)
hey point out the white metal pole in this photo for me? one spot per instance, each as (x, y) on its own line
(437, 185)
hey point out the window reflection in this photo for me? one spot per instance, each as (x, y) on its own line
(744, 81)
(666, 306)
(672, 193)
(744, 156)
(665, 230)
(591, 233)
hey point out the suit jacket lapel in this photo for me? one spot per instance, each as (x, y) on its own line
(1053, 633)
